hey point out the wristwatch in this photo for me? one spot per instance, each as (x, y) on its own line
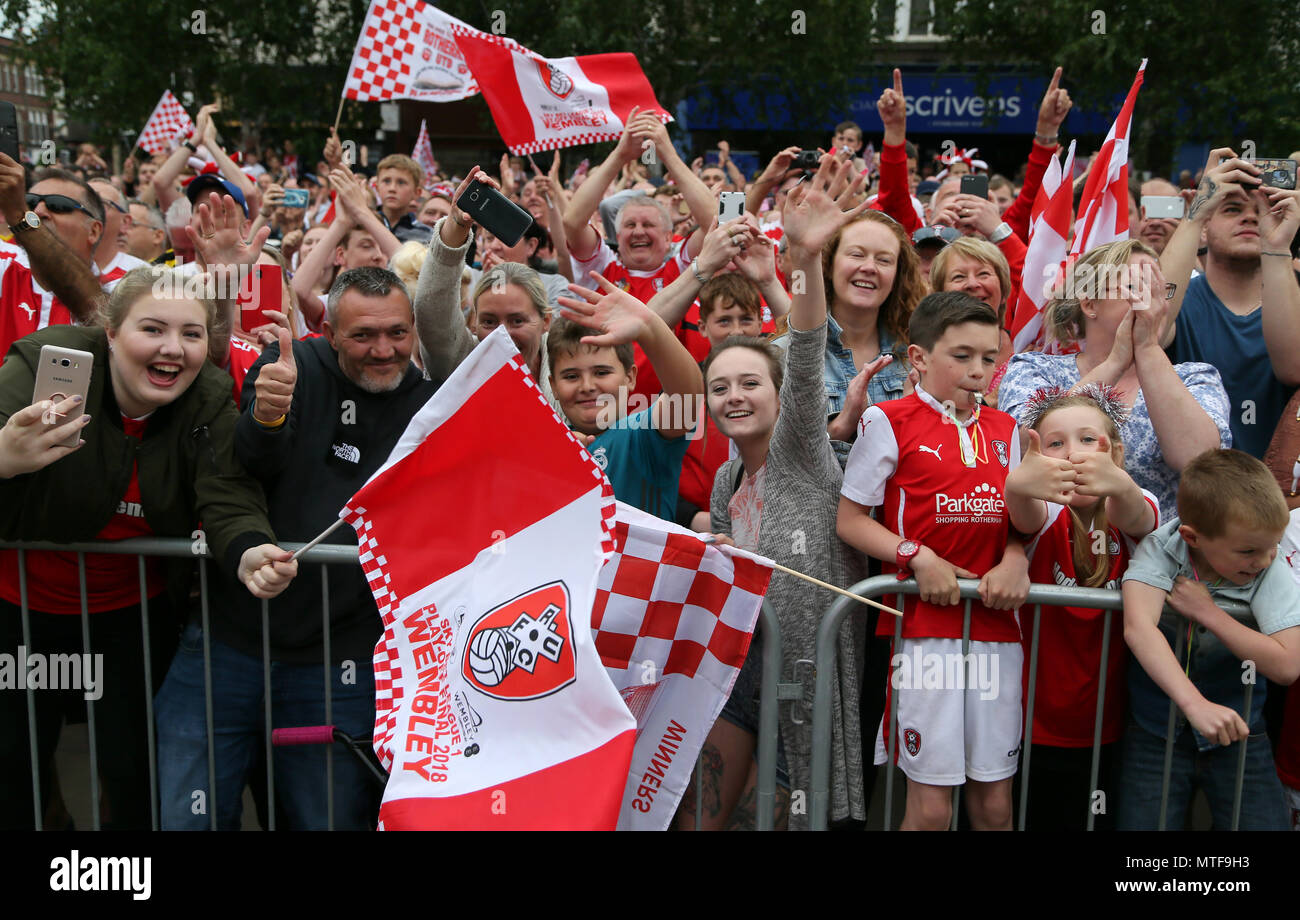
(905, 553)
(28, 222)
(1000, 232)
(190, 144)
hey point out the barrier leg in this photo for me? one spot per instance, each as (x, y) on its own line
(1169, 741)
(266, 713)
(150, 730)
(31, 693)
(90, 704)
(768, 727)
(1101, 708)
(1028, 746)
(207, 694)
(329, 693)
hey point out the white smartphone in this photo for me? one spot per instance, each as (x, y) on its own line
(731, 206)
(1162, 207)
(60, 373)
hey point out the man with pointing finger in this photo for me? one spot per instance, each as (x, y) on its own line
(320, 416)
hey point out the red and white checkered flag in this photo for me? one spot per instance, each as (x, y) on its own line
(423, 154)
(672, 619)
(169, 119)
(406, 50)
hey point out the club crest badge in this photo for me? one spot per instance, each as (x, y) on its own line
(912, 741)
(522, 649)
(1000, 448)
(557, 81)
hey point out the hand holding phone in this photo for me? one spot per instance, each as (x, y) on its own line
(294, 198)
(262, 289)
(62, 375)
(1162, 207)
(731, 206)
(975, 185)
(494, 212)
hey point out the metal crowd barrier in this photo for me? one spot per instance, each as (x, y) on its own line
(323, 555)
(1051, 595)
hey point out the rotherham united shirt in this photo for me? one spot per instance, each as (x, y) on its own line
(1287, 753)
(939, 482)
(1069, 643)
(644, 286)
(122, 263)
(25, 306)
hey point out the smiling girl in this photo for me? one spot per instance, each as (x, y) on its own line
(1088, 515)
(155, 457)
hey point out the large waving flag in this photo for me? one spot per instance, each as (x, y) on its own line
(492, 707)
(545, 103)
(673, 620)
(1049, 232)
(168, 121)
(1103, 209)
(407, 50)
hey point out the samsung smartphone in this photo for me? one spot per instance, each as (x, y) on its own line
(295, 198)
(1162, 207)
(262, 289)
(1276, 173)
(60, 373)
(731, 206)
(9, 130)
(495, 212)
(975, 185)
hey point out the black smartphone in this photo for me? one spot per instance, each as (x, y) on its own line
(975, 185)
(495, 212)
(9, 130)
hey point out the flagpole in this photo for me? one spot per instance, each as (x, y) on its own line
(829, 587)
(339, 115)
(323, 534)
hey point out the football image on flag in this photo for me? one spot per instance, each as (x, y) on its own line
(493, 710)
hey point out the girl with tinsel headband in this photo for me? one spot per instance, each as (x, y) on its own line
(1086, 515)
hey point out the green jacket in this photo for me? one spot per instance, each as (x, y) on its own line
(187, 467)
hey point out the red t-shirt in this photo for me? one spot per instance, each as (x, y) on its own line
(25, 306)
(1069, 644)
(908, 463)
(1287, 753)
(112, 580)
(700, 465)
(643, 285)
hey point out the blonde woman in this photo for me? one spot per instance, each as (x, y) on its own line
(1113, 304)
(978, 268)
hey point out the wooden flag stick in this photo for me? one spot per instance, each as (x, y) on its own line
(829, 587)
(339, 115)
(321, 536)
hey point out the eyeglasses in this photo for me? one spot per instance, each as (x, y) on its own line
(58, 204)
(114, 205)
(1170, 290)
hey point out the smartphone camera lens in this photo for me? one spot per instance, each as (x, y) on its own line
(66, 363)
(473, 196)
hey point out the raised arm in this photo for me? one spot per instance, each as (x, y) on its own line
(701, 201)
(557, 199)
(582, 238)
(1279, 219)
(354, 198)
(53, 264)
(1179, 257)
(313, 267)
(621, 318)
(777, 171)
(731, 169)
(1052, 110)
(222, 251)
(721, 245)
(444, 339)
(895, 195)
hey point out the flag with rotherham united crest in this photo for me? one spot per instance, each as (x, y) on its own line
(493, 709)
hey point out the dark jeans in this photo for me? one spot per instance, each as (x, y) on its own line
(121, 718)
(1215, 771)
(238, 706)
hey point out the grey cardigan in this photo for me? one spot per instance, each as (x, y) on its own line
(797, 529)
(445, 340)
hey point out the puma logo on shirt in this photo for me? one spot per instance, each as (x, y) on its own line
(31, 312)
(931, 450)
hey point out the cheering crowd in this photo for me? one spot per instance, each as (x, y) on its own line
(825, 377)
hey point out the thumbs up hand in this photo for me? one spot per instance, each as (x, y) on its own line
(1040, 476)
(275, 382)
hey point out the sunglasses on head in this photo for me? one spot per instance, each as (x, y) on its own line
(57, 204)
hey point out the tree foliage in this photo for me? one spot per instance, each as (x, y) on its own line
(1215, 74)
